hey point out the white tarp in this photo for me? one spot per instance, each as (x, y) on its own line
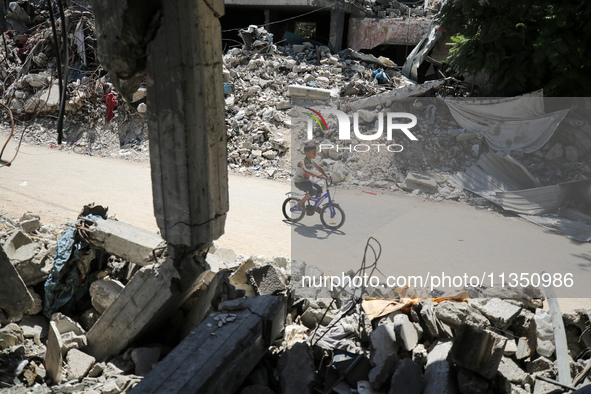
(507, 124)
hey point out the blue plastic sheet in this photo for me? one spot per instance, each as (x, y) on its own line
(64, 285)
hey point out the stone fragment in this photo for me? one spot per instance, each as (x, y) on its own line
(64, 324)
(267, 279)
(419, 355)
(270, 154)
(88, 318)
(556, 152)
(79, 364)
(540, 364)
(37, 306)
(30, 225)
(19, 247)
(523, 349)
(36, 80)
(478, 350)
(407, 378)
(140, 94)
(145, 358)
(383, 343)
(500, 313)
(142, 108)
(72, 341)
(11, 335)
(406, 333)
(510, 348)
(104, 292)
(15, 299)
(96, 370)
(455, 313)
(53, 355)
(511, 371)
(313, 317)
(382, 373)
(34, 326)
(421, 182)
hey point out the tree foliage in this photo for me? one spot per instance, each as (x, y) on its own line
(523, 45)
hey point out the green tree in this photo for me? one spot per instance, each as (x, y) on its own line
(523, 45)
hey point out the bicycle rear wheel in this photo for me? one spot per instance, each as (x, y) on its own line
(291, 211)
(332, 221)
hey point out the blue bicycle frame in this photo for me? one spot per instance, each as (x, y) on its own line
(318, 201)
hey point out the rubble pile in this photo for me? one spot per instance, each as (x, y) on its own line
(30, 86)
(264, 76)
(62, 300)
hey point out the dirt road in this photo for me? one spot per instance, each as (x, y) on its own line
(417, 236)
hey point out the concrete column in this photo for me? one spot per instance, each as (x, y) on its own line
(186, 123)
(337, 28)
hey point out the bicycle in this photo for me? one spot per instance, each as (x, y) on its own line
(332, 215)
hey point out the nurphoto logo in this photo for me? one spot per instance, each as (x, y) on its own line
(392, 125)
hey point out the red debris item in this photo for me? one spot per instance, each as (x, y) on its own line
(372, 193)
(111, 103)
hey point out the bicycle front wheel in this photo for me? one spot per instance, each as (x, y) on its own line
(332, 221)
(291, 210)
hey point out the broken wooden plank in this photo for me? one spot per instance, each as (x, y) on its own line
(562, 359)
(219, 354)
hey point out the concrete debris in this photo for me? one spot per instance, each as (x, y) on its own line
(131, 243)
(381, 374)
(79, 364)
(383, 343)
(104, 292)
(406, 333)
(439, 378)
(268, 280)
(11, 335)
(407, 378)
(15, 299)
(500, 313)
(478, 350)
(296, 370)
(145, 358)
(456, 313)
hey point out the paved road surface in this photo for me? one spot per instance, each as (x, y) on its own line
(417, 236)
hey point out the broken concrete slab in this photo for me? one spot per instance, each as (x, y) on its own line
(406, 333)
(65, 324)
(299, 91)
(53, 355)
(79, 363)
(72, 341)
(439, 378)
(395, 94)
(30, 225)
(267, 279)
(500, 313)
(217, 358)
(15, 299)
(19, 247)
(145, 358)
(103, 293)
(296, 369)
(478, 350)
(382, 373)
(422, 182)
(510, 347)
(407, 378)
(523, 349)
(383, 343)
(456, 313)
(470, 382)
(131, 243)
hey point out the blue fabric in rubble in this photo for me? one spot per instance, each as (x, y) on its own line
(64, 286)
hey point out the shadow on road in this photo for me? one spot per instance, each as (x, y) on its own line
(317, 231)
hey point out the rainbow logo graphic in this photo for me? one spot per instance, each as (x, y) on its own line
(318, 118)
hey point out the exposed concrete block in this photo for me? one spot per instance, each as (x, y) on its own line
(151, 295)
(131, 243)
(15, 299)
(500, 313)
(408, 378)
(298, 91)
(239, 276)
(478, 350)
(456, 313)
(19, 247)
(79, 364)
(218, 357)
(64, 324)
(30, 225)
(428, 317)
(103, 292)
(439, 378)
(368, 33)
(72, 341)
(382, 373)
(296, 369)
(268, 280)
(383, 343)
(406, 333)
(523, 349)
(510, 347)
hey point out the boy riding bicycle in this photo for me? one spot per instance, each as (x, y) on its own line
(304, 170)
